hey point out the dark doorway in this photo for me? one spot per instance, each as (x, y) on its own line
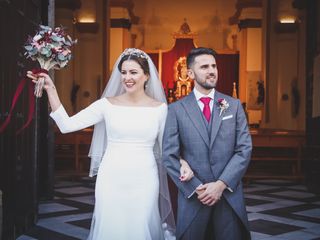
(24, 156)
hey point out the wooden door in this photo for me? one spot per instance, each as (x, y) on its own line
(20, 154)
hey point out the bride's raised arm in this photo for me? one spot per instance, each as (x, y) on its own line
(85, 118)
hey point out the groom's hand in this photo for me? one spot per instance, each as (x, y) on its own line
(200, 190)
(211, 192)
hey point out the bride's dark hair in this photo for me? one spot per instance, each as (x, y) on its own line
(142, 61)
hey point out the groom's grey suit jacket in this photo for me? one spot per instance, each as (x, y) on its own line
(221, 151)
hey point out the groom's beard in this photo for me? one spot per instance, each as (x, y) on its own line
(207, 83)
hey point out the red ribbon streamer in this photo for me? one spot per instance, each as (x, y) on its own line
(16, 97)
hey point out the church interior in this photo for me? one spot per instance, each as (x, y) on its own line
(268, 56)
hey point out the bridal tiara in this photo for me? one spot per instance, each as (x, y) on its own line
(134, 52)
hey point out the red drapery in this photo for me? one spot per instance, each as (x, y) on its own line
(228, 72)
(181, 48)
(155, 59)
(228, 66)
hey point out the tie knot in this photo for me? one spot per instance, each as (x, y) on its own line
(205, 100)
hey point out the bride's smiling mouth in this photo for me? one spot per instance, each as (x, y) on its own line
(129, 84)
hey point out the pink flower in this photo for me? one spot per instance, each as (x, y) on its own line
(66, 52)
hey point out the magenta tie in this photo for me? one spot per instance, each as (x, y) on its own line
(206, 110)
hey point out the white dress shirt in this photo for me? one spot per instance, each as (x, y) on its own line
(199, 95)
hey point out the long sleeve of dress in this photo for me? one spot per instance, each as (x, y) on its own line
(85, 118)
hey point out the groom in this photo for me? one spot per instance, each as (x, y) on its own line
(209, 130)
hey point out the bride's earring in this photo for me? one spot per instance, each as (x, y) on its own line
(145, 84)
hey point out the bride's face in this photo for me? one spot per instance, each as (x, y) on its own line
(133, 77)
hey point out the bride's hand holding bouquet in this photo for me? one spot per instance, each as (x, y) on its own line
(47, 81)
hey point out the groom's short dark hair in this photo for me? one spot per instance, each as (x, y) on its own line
(199, 51)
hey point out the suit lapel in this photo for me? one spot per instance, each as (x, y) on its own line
(217, 118)
(191, 107)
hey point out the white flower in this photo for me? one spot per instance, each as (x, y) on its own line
(37, 37)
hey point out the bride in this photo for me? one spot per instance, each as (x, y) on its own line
(131, 195)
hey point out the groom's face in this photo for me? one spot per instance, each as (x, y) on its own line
(204, 71)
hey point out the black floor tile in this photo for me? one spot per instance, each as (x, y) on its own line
(271, 228)
(82, 223)
(46, 234)
(254, 202)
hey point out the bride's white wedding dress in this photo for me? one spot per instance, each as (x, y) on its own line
(127, 185)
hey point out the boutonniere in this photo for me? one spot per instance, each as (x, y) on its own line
(223, 105)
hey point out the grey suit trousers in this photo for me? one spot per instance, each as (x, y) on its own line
(218, 222)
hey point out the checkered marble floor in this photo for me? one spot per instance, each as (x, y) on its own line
(277, 210)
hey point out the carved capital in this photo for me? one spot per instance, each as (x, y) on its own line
(240, 5)
(129, 5)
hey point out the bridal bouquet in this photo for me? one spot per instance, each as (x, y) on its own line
(51, 48)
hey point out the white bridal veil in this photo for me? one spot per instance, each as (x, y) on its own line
(99, 139)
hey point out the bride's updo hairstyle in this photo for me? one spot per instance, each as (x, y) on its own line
(136, 55)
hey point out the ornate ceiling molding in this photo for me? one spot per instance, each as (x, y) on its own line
(128, 4)
(240, 5)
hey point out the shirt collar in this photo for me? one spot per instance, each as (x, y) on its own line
(199, 95)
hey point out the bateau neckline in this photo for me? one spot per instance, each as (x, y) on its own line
(127, 106)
